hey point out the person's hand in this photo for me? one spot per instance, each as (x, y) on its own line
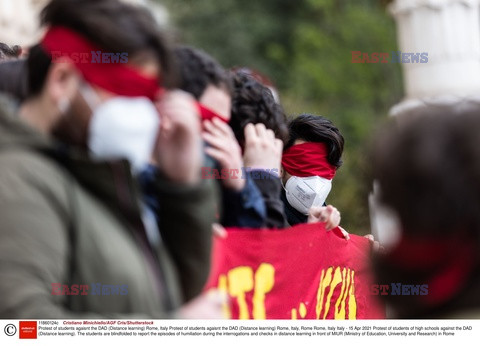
(376, 247)
(329, 215)
(262, 149)
(219, 231)
(209, 305)
(225, 149)
(178, 152)
(345, 233)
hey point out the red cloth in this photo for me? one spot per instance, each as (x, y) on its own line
(302, 272)
(307, 160)
(440, 257)
(208, 114)
(116, 77)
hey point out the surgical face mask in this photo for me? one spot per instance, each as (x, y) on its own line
(307, 192)
(122, 128)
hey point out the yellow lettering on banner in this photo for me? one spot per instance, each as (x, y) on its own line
(222, 287)
(325, 279)
(330, 279)
(352, 301)
(240, 281)
(340, 304)
(337, 278)
(264, 281)
(302, 310)
(319, 295)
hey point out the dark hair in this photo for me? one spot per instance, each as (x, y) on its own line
(7, 52)
(253, 103)
(13, 78)
(112, 25)
(316, 128)
(198, 70)
(427, 164)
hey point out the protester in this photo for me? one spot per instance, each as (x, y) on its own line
(203, 77)
(253, 103)
(70, 205)
(427, 165)
(309, 162)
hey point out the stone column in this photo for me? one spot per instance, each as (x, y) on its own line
(449, 31)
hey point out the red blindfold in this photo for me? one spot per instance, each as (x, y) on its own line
(307, 160)
(208, 114)
(106, 70)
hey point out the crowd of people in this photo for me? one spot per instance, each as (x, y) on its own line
(121, 172)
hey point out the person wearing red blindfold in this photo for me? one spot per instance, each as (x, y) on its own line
(253, 103)
(242, 203)
(309, 163)
(71, 206)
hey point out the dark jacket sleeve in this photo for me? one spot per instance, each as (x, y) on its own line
(245, 208)
(270, 188)
(34, 242)
(186, 214)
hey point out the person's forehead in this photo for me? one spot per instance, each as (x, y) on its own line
(299, 141)
(146, 63)
(217, 99)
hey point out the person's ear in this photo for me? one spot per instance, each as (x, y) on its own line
(284, 175)
(62, 84)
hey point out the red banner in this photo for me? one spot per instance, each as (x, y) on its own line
(301, 272)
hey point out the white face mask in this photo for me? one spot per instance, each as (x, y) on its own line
(304, 193)
(122, 128)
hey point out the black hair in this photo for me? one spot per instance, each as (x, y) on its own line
(254, 103)
(197, 70)
(13, 78)
(316, 128)
(112, 25)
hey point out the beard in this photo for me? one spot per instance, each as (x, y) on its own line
(72, 127)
